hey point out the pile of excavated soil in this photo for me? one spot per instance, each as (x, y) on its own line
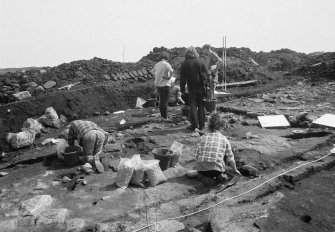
(242, 64)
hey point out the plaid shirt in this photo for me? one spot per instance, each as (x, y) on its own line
(213, 147)
(78, 129)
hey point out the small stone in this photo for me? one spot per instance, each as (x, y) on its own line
(43, 71)
(49, 84)
(107, 113)
(38, 89)
(300, 83)
(106, 77)
(96, 113)
(22, 95)
(119, 134)
(84, 182)
(3, 174)
(195, 134)
(75, 224)
(40, 186)
(171, 225)
(134, 216)
(66, 179)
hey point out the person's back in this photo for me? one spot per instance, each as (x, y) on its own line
(191, 73)
(161, 72)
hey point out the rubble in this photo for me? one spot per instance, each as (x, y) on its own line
(22, 95)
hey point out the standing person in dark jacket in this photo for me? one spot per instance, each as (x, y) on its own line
(193, 73)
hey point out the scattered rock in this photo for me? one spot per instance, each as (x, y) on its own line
(171, 226)
(3, 174)
(249, 135)
(299, 83)
(22, 95)
(49, 84)
(40, 186)
(247, 170)
(195, 134)
(119, 135)
(29, 86)
(33, 124)
(9, 225)
(50, 118)
(54, 217)
(21, 139)
(107, 77)
(75, 224)
(35, 205)
(38, 89)
(66, 179)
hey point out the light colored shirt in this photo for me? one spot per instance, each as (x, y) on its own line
(211, 150)
(213, 59)
(163, 72)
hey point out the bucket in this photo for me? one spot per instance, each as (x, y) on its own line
(151, 102)
(71, 155)
(210, 105)
(163, 156)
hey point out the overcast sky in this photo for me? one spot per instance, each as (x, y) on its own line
(51, 32)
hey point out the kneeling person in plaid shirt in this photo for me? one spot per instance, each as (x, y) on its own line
(211, 153)
(91, 137)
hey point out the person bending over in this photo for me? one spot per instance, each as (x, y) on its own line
(92, 139)
(175, 94)
(212, 151)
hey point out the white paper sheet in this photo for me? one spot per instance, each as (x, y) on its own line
(273, 121)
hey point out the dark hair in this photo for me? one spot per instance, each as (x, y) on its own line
(163, 56)
(214, 123)
(207, 46)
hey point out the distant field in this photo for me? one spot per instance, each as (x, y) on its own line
(5, 70)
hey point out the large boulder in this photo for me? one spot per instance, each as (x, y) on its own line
(49, 84)
(36, 205)
(50, 118)
(33, 124)
(22, 95)
(22, 139)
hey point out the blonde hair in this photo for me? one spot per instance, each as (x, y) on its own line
(191, 52)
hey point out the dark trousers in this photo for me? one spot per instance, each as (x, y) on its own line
(185, 99)
(163, 99)
(197, 110)
(212, 173)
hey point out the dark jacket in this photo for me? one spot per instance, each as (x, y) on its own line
(193, 73)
